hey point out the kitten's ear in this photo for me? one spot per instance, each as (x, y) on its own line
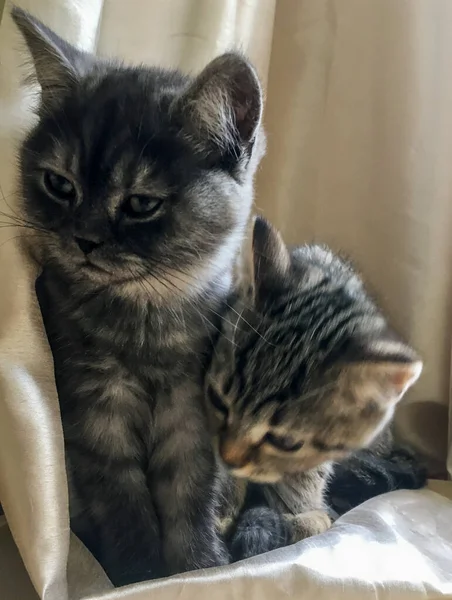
(393, 378)
(57, 64)
(271, 258)
(389, 367)
(223, 106)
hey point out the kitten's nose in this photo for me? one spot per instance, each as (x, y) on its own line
(234, 454)
(86, 246)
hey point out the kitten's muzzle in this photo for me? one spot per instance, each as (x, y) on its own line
(234, 454)
(240, 458)
(87, 246)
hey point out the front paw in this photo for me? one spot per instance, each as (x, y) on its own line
(197, 557)
(259, 530)
(305, 525)
(217, 559)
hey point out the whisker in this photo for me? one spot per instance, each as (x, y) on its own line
(193, 304)
(192, 279)
(22, 236)
(249, 325)
(17, 221)
(7, 203)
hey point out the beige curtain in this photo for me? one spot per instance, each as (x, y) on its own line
(359, 122)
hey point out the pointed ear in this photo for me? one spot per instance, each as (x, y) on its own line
(271, 258)
(222, 108)
(394, 379)
(57, 64)
(387, 369)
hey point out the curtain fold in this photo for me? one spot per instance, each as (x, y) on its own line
(33, 488)
(359, 149)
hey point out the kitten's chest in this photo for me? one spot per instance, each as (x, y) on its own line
(125, 371)
(125, 414)
(154, 341)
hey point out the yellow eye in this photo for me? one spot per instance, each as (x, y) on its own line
(59, 187)
(141, 206)
(283, 443)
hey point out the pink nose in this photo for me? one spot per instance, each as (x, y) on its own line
(234, 454)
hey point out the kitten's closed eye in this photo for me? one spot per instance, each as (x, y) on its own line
(217, 402)
(284, 443)
(58, 187)
(140, 206)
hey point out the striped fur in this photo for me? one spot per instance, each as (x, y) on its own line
(384, 467)
(130, 299)
(303, 376)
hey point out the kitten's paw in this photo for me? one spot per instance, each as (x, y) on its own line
(217, 559)
(258, 530)
(217, 556)
(200, 559)
(307, 524)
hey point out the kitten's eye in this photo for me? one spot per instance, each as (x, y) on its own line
(141, 206)
(216, 401)
(58, 186)
(284, 443)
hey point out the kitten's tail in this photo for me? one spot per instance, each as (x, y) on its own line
(258, 530)
(365, 475)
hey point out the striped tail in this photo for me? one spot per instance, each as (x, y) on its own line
(366, 475)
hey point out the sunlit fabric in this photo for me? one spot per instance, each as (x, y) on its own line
(399, 544)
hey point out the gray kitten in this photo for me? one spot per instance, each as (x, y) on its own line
(309, 374)
(139, 182)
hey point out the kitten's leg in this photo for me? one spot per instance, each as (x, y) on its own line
(184, 482)
(307, 524)
(116, 498)
(104, 413)
(301, 498)
(232, 500)
(187, 504)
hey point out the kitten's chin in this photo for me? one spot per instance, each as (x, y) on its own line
(135, 280)
(255, 475)
(96, 272)
(92, 268)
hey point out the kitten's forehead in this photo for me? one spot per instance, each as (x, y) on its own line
(114, 134)
(146, 178)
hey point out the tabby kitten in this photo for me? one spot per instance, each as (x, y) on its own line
(139, 181)
(306, 375)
